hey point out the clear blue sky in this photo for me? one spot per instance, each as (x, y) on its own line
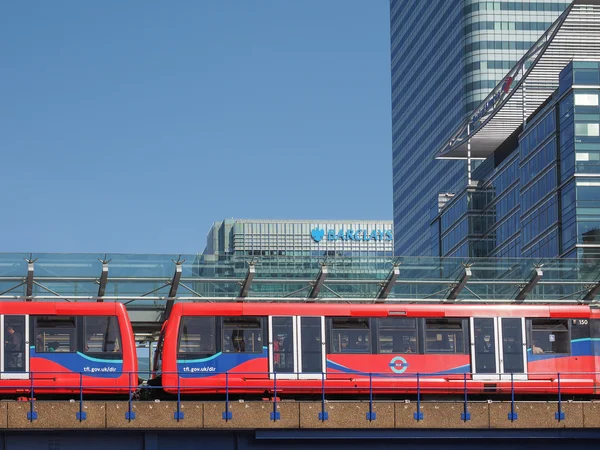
(132, 126)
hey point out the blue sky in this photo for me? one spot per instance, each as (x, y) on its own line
(132, 126)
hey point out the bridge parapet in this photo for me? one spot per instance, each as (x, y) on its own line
(296, 415)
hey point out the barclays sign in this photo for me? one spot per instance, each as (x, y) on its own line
(318, 234)
(492, 101)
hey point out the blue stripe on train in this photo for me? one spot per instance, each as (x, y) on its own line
(215, 364)
(579, 347)
(80, 363)
(223, 362)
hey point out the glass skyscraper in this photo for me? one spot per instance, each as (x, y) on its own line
(538, 195)
(537, 192)
(446, 56)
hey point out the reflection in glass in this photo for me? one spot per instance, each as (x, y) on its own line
(550, 336)
(444, 336)
(242, 335)
(312, 350)
(397, 335)
(283, 344)
(196, 337)
(14, 343)
(485, 346)
(512, 345)
(350, 335)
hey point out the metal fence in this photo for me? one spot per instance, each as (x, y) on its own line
(371, 383)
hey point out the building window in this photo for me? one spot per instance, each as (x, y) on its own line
(55, 334)
(550, 336)
(350, 335)
(102, 335)
(586, 99)
(444, 336)
(587, 129)
(197, 336)
(589, 76)
(242, 335)
(397, 335)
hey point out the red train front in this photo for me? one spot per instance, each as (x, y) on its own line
(58, 347)
(390, 349)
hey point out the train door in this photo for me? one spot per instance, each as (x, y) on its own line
(498, 348)
(297, 347)
(14, 358)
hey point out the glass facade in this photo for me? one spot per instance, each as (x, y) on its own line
(446, 56)
(144, 282)
(300, 238)
(538, 195)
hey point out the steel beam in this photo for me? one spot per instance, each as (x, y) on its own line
(318, 283)
(29, 280)
(461, 284)
(389, 284)
(103, 281)
(525, 290)
(247, 281)
(592, 292)
(156, 302)
(173, 290)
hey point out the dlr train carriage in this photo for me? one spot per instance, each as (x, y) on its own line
(298, 349)
(357, 348)
(56, 347)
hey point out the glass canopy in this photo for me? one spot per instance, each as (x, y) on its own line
(151, 282)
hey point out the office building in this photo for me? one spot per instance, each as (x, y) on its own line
(361, 238)
(537, 193)
(446, 56)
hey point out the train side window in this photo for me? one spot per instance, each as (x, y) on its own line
(595, 328)
(55, 334)
(102, 335)
(550, 336)
(580, 329)
(397, 335)
(158, 353)
(444, 336)
(350, 335)
(196, 336)
(242, 335)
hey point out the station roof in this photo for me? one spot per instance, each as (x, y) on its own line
(575, 35)
(149, 284)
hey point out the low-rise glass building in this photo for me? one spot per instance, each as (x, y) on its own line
(360, 238)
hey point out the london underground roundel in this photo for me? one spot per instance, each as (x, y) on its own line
(398, 364)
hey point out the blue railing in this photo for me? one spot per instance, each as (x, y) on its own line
(451, 383)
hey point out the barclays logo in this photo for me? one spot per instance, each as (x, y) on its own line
(317, 234)
(492, 101)
(352, 235)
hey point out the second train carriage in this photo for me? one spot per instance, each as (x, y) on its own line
(56, 347)
(353, 349)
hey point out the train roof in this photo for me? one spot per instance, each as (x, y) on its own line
(60, 308)
(386, 310)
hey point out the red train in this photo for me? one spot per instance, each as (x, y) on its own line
(297, 349)
(58, 347)
(353, 349)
